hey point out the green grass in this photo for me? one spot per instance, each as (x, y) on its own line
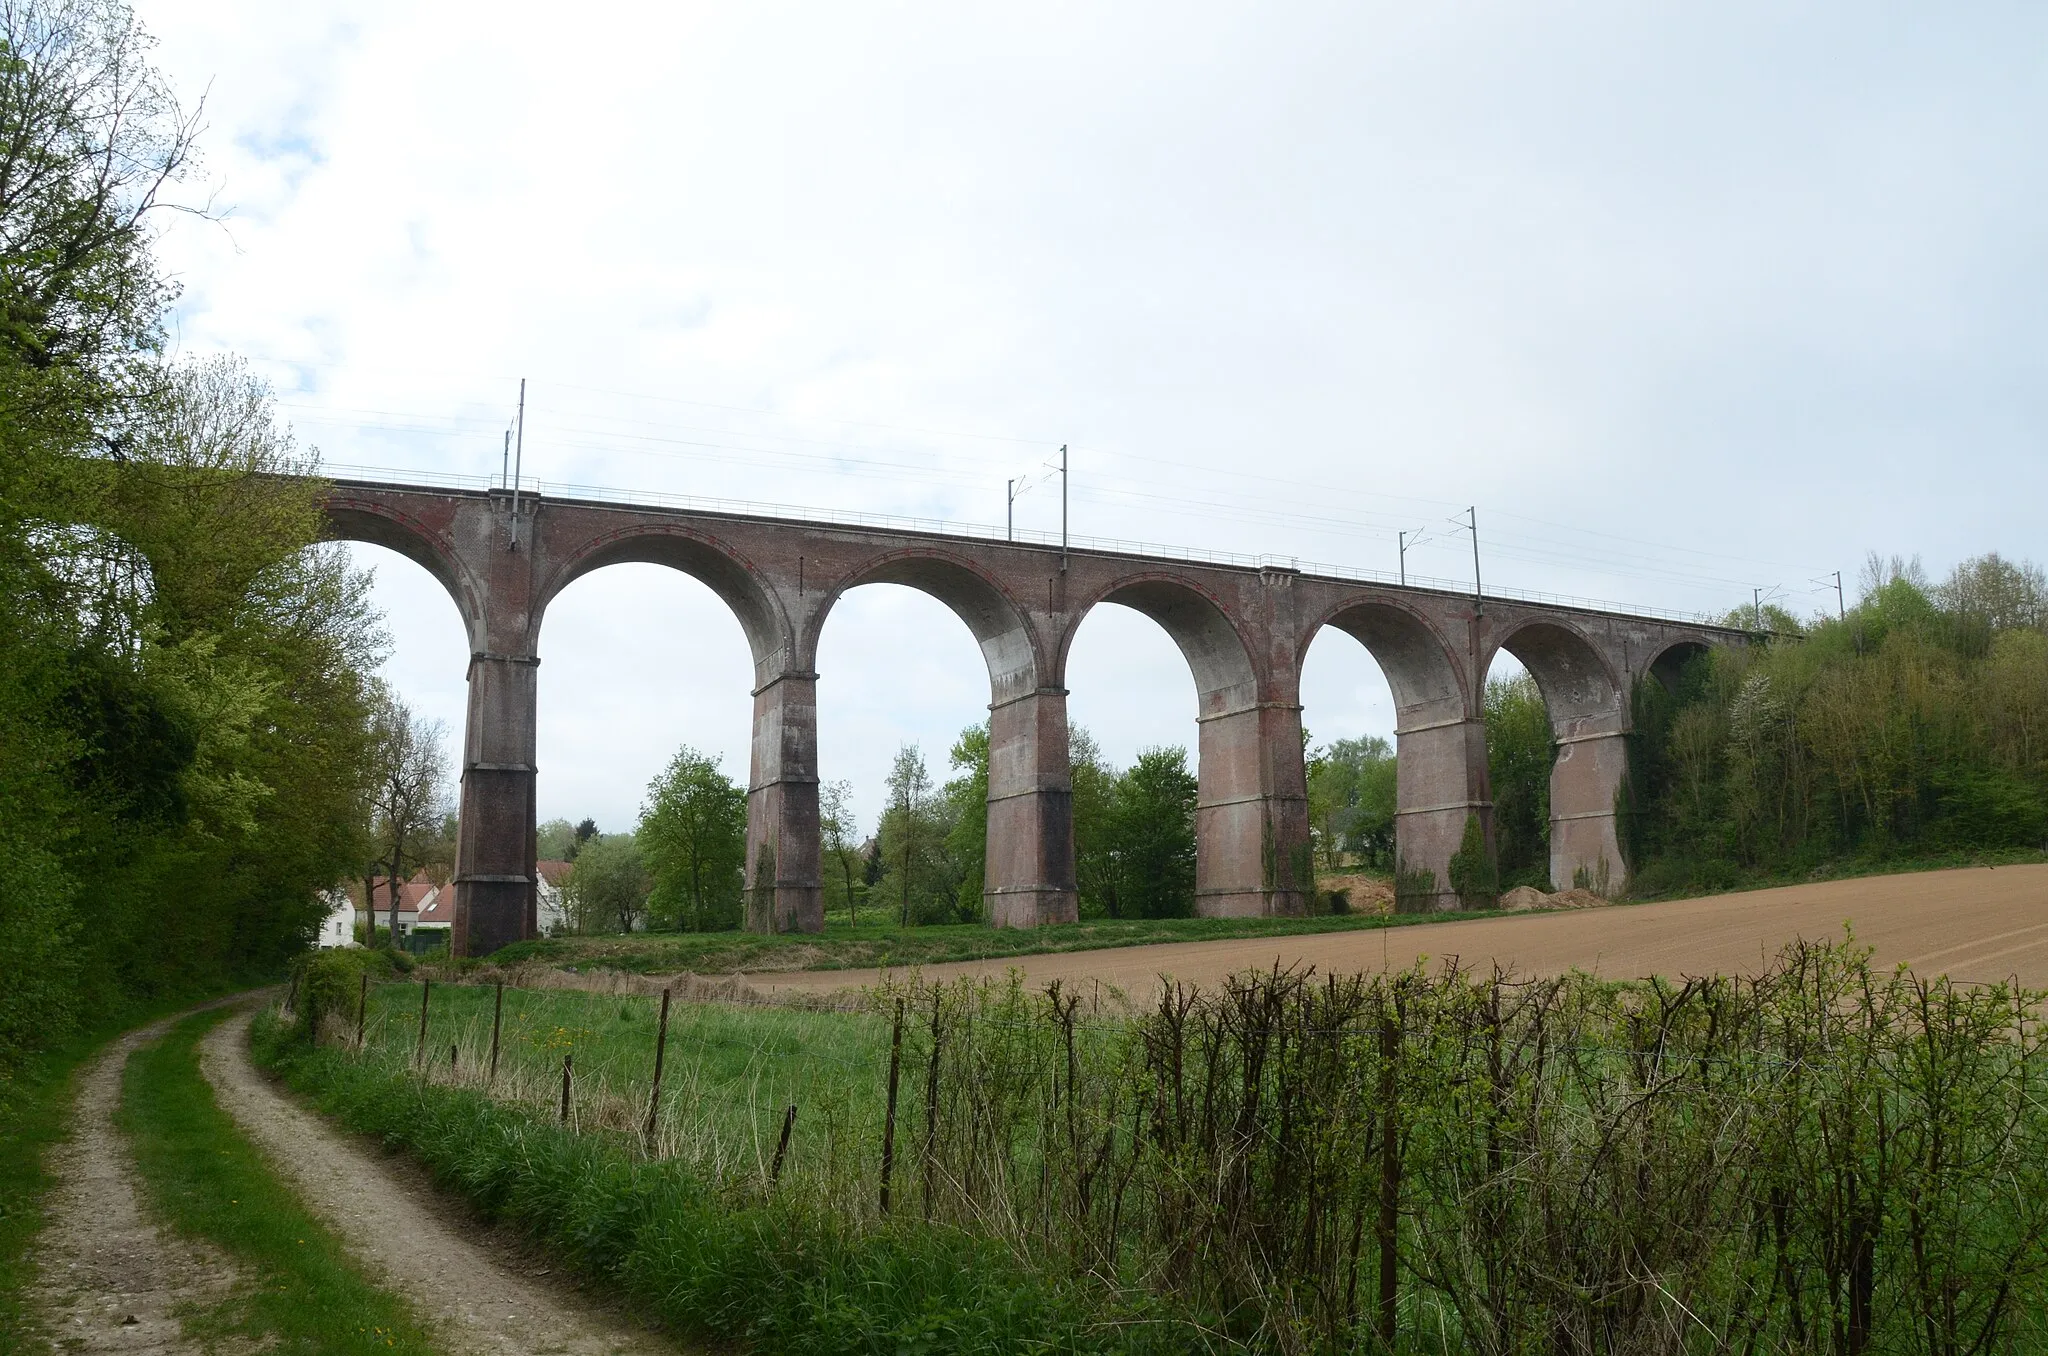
(730, 1074)
(733, 1260)
(35, 1113)
(211, 1183)
(842, 946)
(34, 1110)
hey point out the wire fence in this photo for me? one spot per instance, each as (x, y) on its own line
(1819, 1157)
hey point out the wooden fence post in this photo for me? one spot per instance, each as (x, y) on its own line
(782, 1145)
(291, 1000)
(419, 1049)
(497, 1016)
(567, 1062)
(362, 1007)
(660, 1052)
(889, 1124)
(931, 1108)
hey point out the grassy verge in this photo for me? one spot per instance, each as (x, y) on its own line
(35, 1112)
(728, 1260)
(1668, 880)
(844, 947)
(212, 1183)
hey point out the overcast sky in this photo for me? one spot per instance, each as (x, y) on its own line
(1685, 301)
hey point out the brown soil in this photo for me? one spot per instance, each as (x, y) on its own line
(1362, 893)
(1981, 924)
(484, 1292)
(108, 1277)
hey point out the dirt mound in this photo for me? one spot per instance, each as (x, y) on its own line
(1529, 897)
(1361, 893)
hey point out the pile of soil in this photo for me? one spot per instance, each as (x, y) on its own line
(1529, 897)
(1362, 893)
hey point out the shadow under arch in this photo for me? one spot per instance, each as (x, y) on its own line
(396, 531)
(1588, 705)
(1667, 666)
(720, 568)
(1251, 802)
(1440, 745)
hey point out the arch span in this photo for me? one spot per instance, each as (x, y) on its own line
(1667, 666)
(395, 530)
(1440, 744)
(1251, 809)
(1028, 874)
(700, 555)
(1587, 701)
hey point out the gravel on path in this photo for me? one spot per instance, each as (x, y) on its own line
(108, 1277)
(482, 1294)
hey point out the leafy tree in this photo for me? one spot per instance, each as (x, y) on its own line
(410, 799)
(916, 875)
(966, 810)
(1351, 787)
(554, 840)
(585, 831)
(841, 850)
(608, 890)
(1097, 857)
(693, 835)
(1155, 836)
(1520, 751)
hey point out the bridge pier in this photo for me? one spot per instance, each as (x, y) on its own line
(783, 855)
(1586, 779)
(494, 844)
(1440, 783)
(1028, 877)
(1251, 813)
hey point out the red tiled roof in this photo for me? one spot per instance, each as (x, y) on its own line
(442, 910)
(409, 894)
(554, 873)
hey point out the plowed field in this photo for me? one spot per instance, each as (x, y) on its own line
(1980, 924)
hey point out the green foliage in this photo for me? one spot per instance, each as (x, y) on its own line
(920, 881)
(1473, 876)
(693, 835)
(608, 890)
(966, 812)
(1912, 728)
(183, 710)
(1520, 750)
(213, 1184)
(1351, 789)
(1154, 827)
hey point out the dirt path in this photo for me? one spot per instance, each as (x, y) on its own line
(1980, 924)
(108, 1278)
(484, 1299)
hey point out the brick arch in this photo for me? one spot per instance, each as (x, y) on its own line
(1579, 681)
(379, 524)
(1001, 626)
(1419, 662)
(716, 564)
(1665, 663)
(1199, 622)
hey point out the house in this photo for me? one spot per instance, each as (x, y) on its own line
(338, 927)
(551, 913)
(413, 896)
(437, 911)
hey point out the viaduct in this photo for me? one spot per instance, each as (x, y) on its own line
(1243, 629)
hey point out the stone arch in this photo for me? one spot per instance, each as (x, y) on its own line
(1200, 625)
(1669, 662)
(1420, 664)
(1440, 741)
(713, 563)
(366, 520)
(1588, 704)
(1251, 809)
(1028, 870)
(1000, 625)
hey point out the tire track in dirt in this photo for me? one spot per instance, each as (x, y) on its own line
(483, 1299)
(108, 1277)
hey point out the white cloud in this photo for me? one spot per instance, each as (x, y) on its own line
(1754, 289)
